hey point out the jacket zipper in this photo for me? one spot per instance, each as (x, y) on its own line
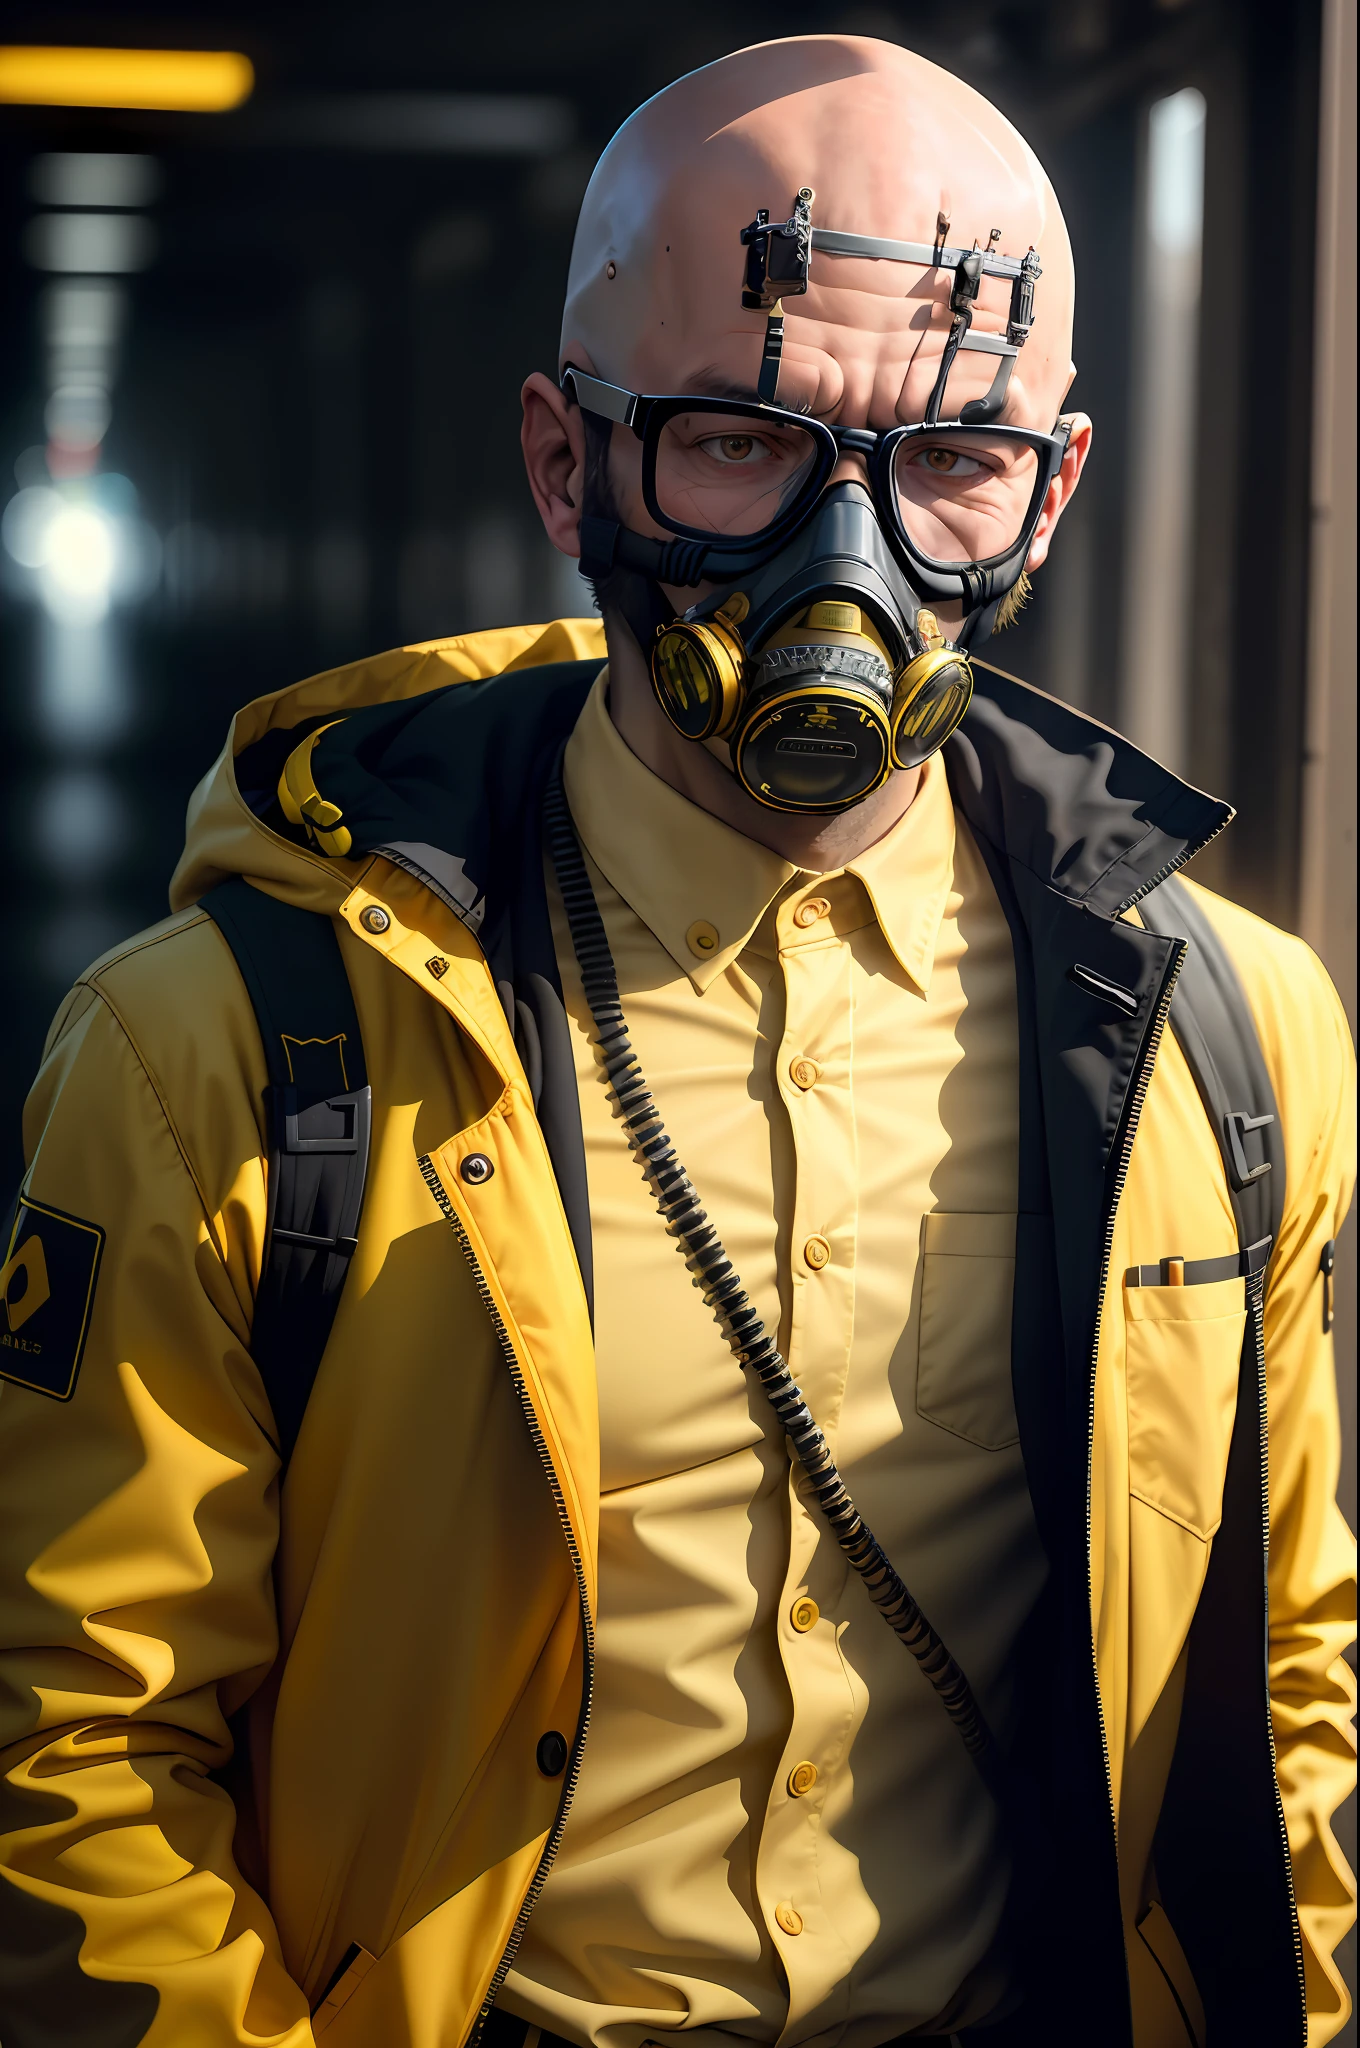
(1135, 1109)
(1256, 1309)
(554, 1841)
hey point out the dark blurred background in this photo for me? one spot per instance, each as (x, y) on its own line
(259, 375)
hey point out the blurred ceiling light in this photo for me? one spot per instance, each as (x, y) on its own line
(69, 177)
(83, 313)
(81, 821)
(182, 81)
(78, 564)
(86, 546)
(28, 515)
(1175, 173)
(77, 415)
(452, 123)
(89, 242)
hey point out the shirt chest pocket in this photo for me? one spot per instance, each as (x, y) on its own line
(963, 1373)
(1183, 1354)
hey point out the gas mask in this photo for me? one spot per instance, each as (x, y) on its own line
(817, 653)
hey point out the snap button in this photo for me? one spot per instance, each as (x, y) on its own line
(803, 1615)
(809, 912)
(817, 1252)
(702, 938)
(788, 1917)
(476, 1168)
(804, 1072)
(374, 918)
(802, 1778)
(551, 1754)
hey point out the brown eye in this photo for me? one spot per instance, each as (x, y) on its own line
(736, 447)
(946, 462)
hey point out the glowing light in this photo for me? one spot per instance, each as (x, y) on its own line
(89, 242)
(185, 81)
(85, 546)
(80, 561)
(24, 529)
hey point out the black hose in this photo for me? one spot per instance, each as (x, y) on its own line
(752, 1343)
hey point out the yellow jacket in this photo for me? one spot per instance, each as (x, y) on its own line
(272, 1778)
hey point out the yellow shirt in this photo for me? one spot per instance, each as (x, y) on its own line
(834, 1057)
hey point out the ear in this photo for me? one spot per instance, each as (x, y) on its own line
(1061, 489)
(554, 442)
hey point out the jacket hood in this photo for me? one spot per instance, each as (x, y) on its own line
(226, 830)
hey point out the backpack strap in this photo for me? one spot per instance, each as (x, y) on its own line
(1215, 1855)
(317, 1117)
(1213, 1024)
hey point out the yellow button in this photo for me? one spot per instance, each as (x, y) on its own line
(702, 938)
(802, 1778)
(803, 1615)
(789, 1917)
(805, 1072)
(809, 912)
(817, 1252)
(374, 918)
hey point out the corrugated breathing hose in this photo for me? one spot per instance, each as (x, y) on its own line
(751, 1342)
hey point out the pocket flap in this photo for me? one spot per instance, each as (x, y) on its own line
(968, 1237)
(1202, 1304)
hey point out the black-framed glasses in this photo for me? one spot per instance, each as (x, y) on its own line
(739, 474)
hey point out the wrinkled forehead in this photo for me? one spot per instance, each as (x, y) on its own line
(656, 287)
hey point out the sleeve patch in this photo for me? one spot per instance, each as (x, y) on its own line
(47, 1284)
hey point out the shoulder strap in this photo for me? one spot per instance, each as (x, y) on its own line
(317, 1111)
(1213, 1023)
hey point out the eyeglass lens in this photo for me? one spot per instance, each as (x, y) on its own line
(964, 497)
(727, 474)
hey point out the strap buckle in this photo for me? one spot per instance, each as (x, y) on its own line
(1237, 1124)
(336, 1124)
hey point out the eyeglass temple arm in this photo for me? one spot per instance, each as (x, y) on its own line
(606, 401)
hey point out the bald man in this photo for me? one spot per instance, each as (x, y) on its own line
(635, 1364)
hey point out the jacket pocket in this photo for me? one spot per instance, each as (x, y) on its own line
(1184, 1349)
(963, 1371)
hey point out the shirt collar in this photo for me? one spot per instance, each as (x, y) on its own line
(688, 875)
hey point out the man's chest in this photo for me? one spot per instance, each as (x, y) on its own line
(853, 1136)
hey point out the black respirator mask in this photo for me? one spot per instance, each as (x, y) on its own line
(817, 654)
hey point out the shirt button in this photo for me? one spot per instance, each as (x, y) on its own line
(817, 1252)
(802, 1778)
(374, 918)
(702, 938)
(805, 1072)
(803, 1615)
(809, 912)
(788, 1917)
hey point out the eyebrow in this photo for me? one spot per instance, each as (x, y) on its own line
(715, 383)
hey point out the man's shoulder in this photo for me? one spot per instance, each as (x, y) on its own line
(1299, 1018)
(1280, 973)
(173, 993)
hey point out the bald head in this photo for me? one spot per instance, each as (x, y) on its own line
(887, 141)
